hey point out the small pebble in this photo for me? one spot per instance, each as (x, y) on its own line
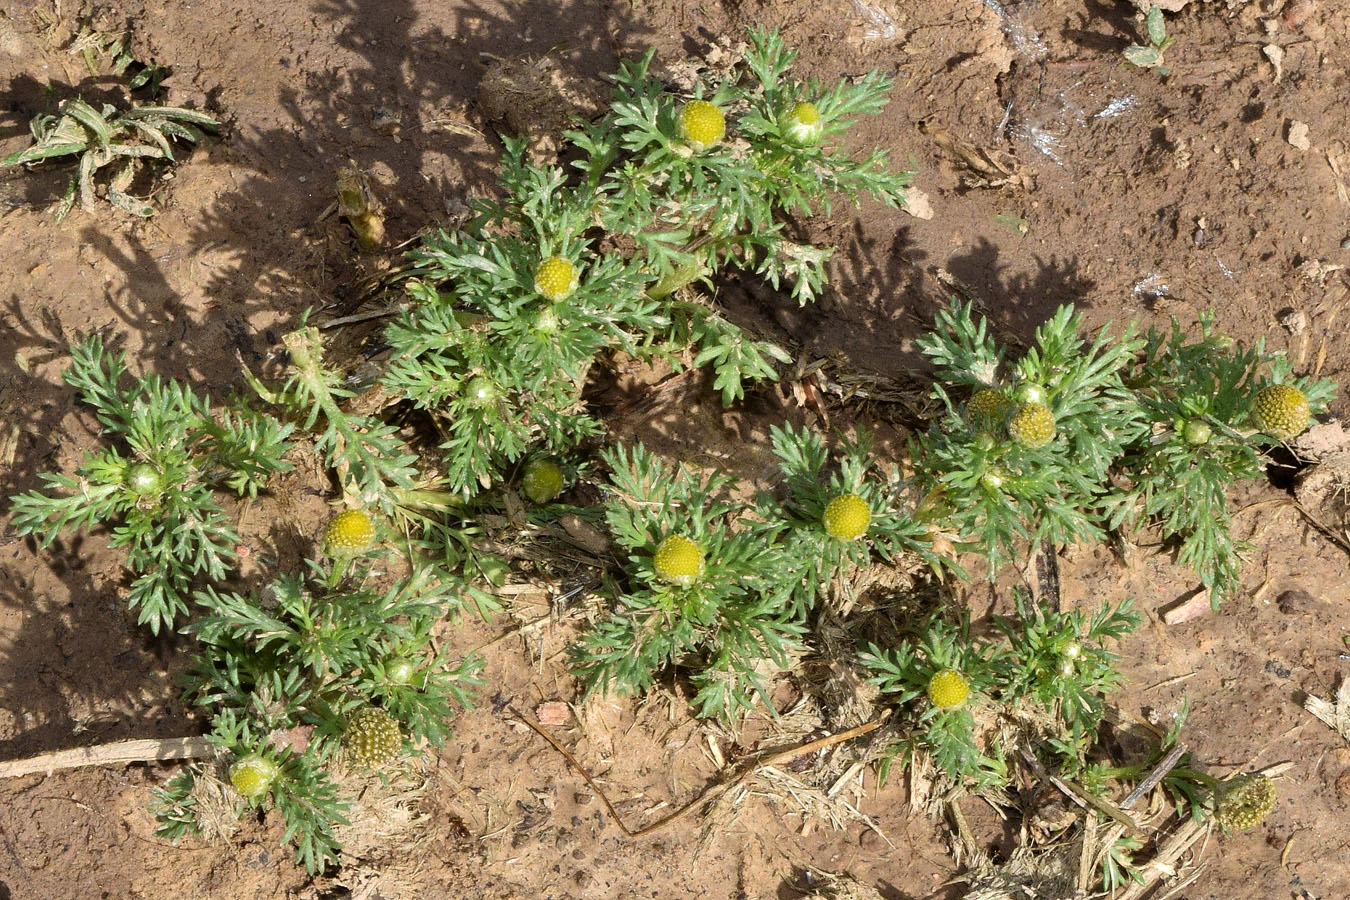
(1345, 244)
(1297, 13)
(1297, 135)
(1295, 321)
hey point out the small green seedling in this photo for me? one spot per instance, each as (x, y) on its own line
(1151, 56)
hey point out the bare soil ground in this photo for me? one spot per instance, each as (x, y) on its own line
(1129, 194)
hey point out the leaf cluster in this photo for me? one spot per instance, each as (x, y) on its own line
(299, 658)
(994, 492)
(638, 214)
(725, 626)
(1150, 56)
(108, 138)
(1195, 398)
(155, 484)
(1150, 430)
(948, 734)
(1058, 663)
(766, 567)
(794, 514)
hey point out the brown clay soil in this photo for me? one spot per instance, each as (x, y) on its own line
(1138, 197)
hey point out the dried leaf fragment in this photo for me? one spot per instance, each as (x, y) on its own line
(988, 167)
(1335, 715)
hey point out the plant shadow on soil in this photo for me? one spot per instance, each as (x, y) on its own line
(278, 262)
(63, 689)
(415, 80)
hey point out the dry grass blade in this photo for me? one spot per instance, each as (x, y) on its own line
(752, 766)
(1336, 714)
(109, 754)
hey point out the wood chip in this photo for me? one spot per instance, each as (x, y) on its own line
(1192, 607)
(1336, 715)
(553, 712)
(586, 535)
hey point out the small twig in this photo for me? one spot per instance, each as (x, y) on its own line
(715, 790)
(145, 750)
(364, 316)
(1326, 532)
(1078, 795)
(1167, 764)
(1163, 861)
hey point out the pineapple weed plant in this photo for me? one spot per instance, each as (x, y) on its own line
(334, 667)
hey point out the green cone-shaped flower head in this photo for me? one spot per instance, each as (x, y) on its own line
(701, 124)
(804, 125)
(1244, 801)
(556, 278)
(372, 737)
(542, 480)
(948, 689)
(678, 560)
(349, 533)
(1032, 425)
(1281, 411)
(252, 775)
(847, 517)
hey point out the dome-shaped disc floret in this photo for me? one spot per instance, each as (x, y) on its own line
(948, 689)
(547, 322)
(400, 671)
(252, 775)
(803, 124)
(1032, 425)
(701, 125)
(1244, 801)
(986, 410)
(372, 737)
(482, 392)
(847, 517)
(349, 533)
(678, 560)
(1196, 432)
(144, 480)
(1281, 411)
(542, 480)
(556, 278)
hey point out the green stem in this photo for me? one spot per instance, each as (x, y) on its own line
(425, 499)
